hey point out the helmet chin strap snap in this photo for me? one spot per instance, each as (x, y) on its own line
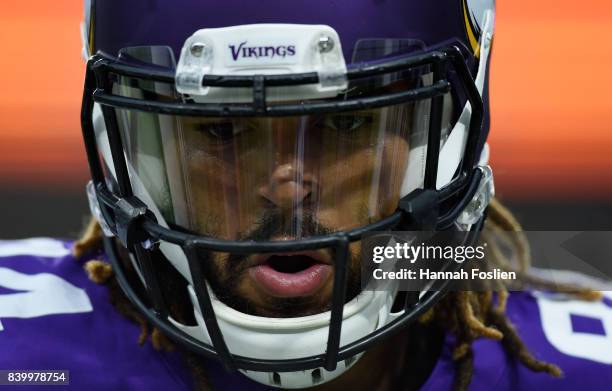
(475, 209)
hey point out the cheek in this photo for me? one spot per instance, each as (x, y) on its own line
(345, 186)
(362, 185)
(394, 165)
(224, 200)
(211, 198)
(216, 269)
(355, 261)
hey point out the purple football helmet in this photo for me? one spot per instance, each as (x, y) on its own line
(269, 130)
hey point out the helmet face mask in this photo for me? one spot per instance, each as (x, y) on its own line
(213, 185)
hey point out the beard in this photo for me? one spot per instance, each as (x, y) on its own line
(225, 272)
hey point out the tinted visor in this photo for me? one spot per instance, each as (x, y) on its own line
(281, 177)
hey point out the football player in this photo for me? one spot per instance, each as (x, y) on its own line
(239, 153)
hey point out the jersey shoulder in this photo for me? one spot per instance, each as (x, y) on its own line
(573, 334)
(49, 307)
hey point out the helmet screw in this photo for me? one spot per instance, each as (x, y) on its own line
(197, 48)
(487, 40)
(326, 44)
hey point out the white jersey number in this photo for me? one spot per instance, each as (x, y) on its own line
(39, 295)
(557, 324)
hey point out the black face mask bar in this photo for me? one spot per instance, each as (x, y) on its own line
(137, 229)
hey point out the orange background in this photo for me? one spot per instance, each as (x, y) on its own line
(551, 134)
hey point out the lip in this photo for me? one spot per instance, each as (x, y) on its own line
(302, 283)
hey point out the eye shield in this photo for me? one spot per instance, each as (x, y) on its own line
(216, 169)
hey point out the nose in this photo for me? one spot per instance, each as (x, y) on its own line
(286, 188)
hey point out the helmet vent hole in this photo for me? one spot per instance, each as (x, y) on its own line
(316, 376)
(349, 361)
(276, 379)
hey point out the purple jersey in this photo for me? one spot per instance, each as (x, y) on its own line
(53, 317)
(573, 334)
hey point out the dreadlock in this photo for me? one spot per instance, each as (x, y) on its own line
(467, 315)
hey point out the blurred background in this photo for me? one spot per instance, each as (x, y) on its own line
(551, 135)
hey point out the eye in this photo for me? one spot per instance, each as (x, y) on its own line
(347, 122)
(219, 132)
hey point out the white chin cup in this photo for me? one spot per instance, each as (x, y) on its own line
(292, 338)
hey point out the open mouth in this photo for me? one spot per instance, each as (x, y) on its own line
(291, 275)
